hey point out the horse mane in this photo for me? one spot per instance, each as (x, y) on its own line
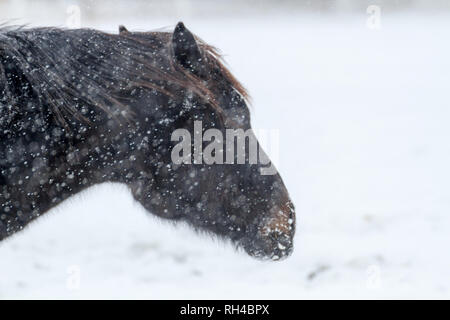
(69, 69)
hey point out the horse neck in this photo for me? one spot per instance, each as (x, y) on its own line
(42, 182)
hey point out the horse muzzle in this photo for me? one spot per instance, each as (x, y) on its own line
(274, 236)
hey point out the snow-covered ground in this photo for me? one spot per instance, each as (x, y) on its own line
(364, 121)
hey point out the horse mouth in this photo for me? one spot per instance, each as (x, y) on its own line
(274, 236)
(276, 247)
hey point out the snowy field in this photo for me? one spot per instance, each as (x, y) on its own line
(363, 117)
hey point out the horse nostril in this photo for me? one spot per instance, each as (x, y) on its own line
(282, 220)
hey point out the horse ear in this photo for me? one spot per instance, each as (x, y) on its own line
(186, 49)
(122, 29)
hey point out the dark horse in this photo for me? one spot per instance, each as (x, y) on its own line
(82, 107)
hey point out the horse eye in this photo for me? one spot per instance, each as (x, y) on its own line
(231, 99)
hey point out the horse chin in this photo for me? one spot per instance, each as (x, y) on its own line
(276, 247)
